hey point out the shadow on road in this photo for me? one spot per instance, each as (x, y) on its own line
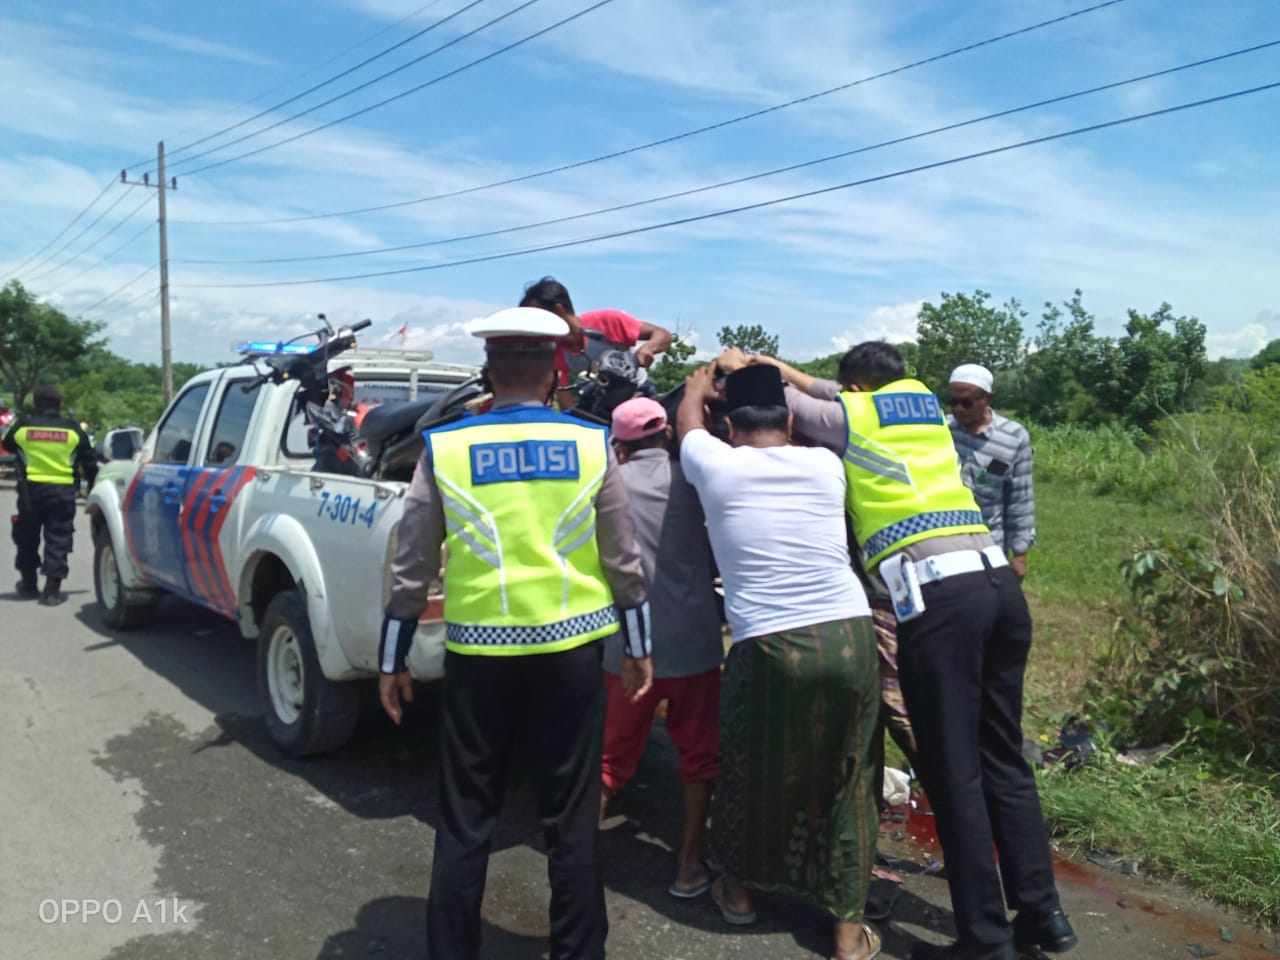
(249, 805)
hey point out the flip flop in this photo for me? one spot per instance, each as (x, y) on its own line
(874, 945)
(688, 893)
(731, 917)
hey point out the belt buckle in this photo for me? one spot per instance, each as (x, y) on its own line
(930, 572)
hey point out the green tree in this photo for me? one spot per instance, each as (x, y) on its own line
(38, 342)
(675, 363)
(1061, 377)
(966, 329)
(1267, 355)
(1160, 366)
(749, 339)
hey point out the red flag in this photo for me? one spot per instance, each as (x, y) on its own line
(403, 330)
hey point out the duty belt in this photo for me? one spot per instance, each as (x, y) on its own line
(943, 565)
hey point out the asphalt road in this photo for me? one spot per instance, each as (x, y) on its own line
(137, 786)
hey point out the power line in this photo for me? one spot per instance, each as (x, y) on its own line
(109, 256)
(74, 220)
(325, 83)
(297, 76)
(130, 302)
(419, 87)
(120, 290)
(665, 140)
(362, 86)
(45, 271)
(132, 213)
(759, 205)
(755, 176)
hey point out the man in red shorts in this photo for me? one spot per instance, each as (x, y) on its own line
(687, 649)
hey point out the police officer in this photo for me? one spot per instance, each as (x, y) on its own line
(542, 564)
(964, 633)
(49, 447)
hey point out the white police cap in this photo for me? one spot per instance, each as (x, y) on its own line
(519, 328)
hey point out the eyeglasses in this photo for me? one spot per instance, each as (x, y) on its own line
(964, 403)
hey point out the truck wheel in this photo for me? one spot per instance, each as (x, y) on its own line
(109, 589)
(305, 712)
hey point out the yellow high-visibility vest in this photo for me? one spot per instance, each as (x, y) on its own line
(523, 573)
(49, 449)
(903, 479)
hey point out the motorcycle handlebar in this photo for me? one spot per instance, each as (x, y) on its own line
(330, 346)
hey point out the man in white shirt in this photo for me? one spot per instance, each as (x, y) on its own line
(800, 693)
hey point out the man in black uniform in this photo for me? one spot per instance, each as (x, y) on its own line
(542, 564)
(49, 447)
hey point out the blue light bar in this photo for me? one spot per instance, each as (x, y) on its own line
(273, 346)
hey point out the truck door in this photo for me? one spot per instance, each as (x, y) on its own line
(212, 486)
(153, 505)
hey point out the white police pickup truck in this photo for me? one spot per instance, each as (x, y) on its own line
(223, 507)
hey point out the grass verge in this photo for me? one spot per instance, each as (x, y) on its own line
(1218, 833)
(1074, 584)
(1215, 830)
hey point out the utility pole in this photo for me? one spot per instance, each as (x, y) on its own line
(166, 352)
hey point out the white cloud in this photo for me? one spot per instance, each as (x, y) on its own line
(895, 324)
(1244, 342)
(1035, 223)
(178, 42)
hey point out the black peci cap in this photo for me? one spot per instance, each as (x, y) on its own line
(759, 385)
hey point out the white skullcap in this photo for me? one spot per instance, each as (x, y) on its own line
(973, 373)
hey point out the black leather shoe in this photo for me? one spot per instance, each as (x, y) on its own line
(972, 951)
(1050, 932)
(27, 590)
(52, 595)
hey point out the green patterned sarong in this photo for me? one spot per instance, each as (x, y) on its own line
(794, 809)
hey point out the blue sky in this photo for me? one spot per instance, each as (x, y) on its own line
(1180, 208)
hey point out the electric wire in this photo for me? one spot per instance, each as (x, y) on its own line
(422, 86)
(359, 87)
(758, 205)
(154, 294)
(665, 140)
(755, 176)
(46, 271)
(109, 256)
(227, 111)
(120, 290)
(324, 83)
(74, 220)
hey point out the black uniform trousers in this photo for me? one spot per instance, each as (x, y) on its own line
(550, 706)
(961, 666)
(48, 508)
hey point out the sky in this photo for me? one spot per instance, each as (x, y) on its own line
(1181, 207)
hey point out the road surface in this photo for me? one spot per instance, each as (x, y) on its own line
(147, 816)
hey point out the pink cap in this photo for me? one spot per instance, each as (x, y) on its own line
(639, 417)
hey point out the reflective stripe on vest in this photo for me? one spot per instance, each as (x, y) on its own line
(900, 462)
(48, 452)
(518, 488)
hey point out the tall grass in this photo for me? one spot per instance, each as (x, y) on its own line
(1106, 460)
(1195, 655)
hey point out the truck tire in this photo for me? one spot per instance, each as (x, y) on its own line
(117, 611)
(305, 712)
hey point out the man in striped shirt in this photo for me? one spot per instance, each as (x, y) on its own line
(995, 461)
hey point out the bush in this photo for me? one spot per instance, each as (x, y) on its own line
(1199, 646)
